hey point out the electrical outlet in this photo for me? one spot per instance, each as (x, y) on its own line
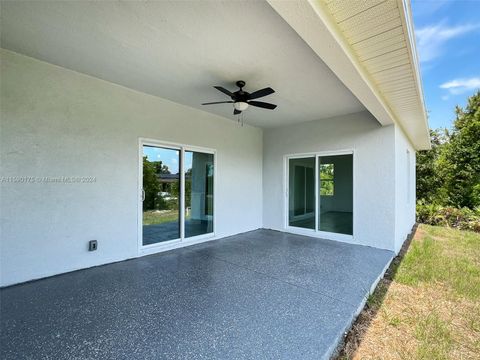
(92, 245)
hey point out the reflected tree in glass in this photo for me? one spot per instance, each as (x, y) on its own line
(326, 179)
(161, 187)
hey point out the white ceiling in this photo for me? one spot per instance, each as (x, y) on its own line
(178, 50)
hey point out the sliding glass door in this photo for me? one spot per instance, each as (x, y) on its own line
(301, 192)
(198, 193)
(335, 195)
(320, 193)
(161, 194)
(177, 193)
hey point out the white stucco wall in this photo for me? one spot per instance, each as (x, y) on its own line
(374, 171)
(56, 122)
(404, 187)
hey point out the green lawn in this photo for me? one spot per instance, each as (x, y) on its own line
(152, 217)
(431, 307)
(444, 256)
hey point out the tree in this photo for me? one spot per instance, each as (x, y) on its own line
(460, 160)
(151, 187)
(160, 168)
(449, 174)
(429, 183)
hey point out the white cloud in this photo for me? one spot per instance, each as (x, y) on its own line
(445, 97)
(430, 39)
(459, 86)
(174, 161)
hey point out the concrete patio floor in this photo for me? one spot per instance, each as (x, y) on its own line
(262, 294)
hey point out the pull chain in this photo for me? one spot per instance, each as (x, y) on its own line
(240, 119)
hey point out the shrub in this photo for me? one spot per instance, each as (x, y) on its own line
(458, 218)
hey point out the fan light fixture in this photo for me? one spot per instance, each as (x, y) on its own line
(240, 105)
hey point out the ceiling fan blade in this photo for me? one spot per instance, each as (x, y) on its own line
(260, 93)
(236, 112)
(218, 102)
(262, 104)
(223, 90)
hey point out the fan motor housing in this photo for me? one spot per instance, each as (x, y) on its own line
(240, 96)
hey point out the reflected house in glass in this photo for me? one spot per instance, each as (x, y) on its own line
(165, 220)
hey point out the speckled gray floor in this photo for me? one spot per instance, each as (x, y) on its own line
(258, 295)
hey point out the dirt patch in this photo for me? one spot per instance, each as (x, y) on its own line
(360, 327)
(412, 321)
(426, 321)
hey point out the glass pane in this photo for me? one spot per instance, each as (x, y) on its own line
(326, 179)
(301, 205)
(336, 194)
(161, 186)
(199, 179)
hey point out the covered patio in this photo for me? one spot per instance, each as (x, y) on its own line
(198, 180)
(260, 294)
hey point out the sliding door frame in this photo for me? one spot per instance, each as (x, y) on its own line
(315, 232)
(182, 241)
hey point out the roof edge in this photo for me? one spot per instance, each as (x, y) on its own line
(315, 25)
(408, 25)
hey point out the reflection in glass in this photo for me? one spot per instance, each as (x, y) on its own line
(301, 204)
(199, 179)
(326, 179)
(161, 187)
(336, 194)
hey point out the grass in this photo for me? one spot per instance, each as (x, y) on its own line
(444, 256)
(434, 338)
(152, 217)
(428, 305)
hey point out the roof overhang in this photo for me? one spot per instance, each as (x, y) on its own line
(370, 46)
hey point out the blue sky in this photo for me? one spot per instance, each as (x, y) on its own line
(448, 44)
(169, 157)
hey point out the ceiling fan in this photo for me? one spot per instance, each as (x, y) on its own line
(241, 100)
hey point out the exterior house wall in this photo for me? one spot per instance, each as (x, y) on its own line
(404, 187)
(374, 171)
(56, 122)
